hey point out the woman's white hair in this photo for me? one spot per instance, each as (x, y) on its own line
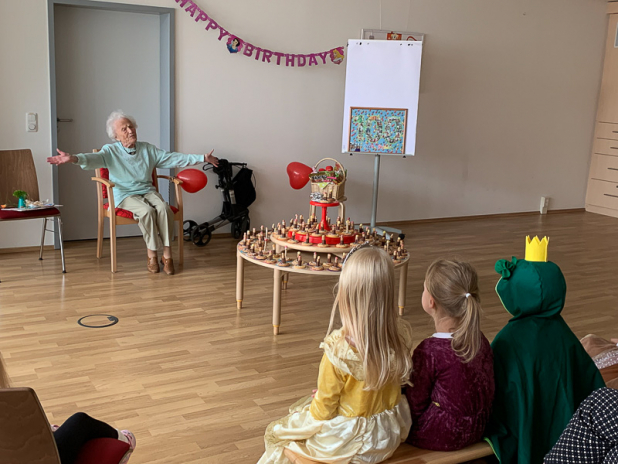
(115, 116)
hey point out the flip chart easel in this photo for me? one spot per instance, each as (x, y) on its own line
(382, 74)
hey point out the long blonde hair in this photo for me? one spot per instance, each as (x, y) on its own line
(366, 305)
(454, 287)
(5, 382)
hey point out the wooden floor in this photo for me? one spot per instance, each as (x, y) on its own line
(198, 381)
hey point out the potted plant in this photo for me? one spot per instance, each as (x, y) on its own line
(21, 196)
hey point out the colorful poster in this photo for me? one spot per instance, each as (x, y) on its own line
(378, 130)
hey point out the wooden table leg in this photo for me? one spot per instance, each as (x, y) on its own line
(403, 280)
(276, 301)
(286, 278)
(240, 279)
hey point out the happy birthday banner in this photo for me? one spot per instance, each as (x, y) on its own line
(236, 45)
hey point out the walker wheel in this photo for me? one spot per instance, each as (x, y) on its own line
(240, 226)
(187, 228)
(200, 236)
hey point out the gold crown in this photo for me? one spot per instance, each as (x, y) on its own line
(536, 250)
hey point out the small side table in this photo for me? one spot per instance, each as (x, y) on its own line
(340, 203)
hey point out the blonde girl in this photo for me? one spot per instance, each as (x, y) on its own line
(452, 385)
(357, 413)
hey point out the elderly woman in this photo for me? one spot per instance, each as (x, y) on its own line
(130, 165)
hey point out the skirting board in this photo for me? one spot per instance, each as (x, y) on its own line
(4, 251)
(481, 216)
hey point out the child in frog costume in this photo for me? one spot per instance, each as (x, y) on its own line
(542, 372)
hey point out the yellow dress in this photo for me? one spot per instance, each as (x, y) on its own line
(343, 423)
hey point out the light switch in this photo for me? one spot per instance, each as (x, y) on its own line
(32, 124)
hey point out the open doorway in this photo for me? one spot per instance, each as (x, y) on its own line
(106, 56)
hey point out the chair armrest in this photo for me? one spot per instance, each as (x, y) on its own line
(171, 179)
(105, 182)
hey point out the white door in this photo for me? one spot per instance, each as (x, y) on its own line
(105, 60)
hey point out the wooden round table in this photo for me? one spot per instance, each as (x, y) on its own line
(281, 274)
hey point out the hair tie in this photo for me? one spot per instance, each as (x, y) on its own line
(467, 295)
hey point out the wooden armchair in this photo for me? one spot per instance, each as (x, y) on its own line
(26, 436)
(105, 191)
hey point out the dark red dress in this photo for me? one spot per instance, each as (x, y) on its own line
(450, 400)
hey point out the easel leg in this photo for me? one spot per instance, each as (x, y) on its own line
(240, 279)
(276, 301)
(403, 280)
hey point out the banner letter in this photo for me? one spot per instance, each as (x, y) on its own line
(266, 54)
(248, 49)
(323, 55)
(313, 60)
(192, 9)
(222, 33)
(212, 24)
(201, 17)
(279, 56)
(289, 60)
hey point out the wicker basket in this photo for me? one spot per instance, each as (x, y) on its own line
(325, 187)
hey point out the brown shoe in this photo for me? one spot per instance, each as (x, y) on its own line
(153, 265)
(168, 265)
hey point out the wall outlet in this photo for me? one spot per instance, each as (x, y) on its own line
(544, 205)
(32, 122)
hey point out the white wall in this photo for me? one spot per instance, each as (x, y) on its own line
(506, 112)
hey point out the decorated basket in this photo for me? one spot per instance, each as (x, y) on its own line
(330, 182)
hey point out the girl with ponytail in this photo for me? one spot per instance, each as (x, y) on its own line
(452, 379)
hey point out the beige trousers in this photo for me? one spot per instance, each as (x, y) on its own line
(156, 218)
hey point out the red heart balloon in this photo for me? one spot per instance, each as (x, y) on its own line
(193, 180)
(298, 174)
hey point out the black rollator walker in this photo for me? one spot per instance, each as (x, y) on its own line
(238, 194)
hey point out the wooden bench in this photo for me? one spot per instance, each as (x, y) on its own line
(408, 454)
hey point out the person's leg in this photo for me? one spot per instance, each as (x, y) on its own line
(76, 431)
(592, 432)
(146, 216)
(165, 226)
(165, 220)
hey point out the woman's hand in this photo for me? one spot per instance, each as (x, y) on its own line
(62, 158)
(208, 158)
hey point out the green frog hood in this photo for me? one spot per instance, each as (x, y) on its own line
(530, 288)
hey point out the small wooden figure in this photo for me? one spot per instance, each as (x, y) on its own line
(329, 261)
(283, 261)
(341, 243)
(270, 258)
(323, 244)
(315, 259)
(298, 264)
(336, 267)
(317, 266)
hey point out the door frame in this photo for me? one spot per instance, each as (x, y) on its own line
(167, 84)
